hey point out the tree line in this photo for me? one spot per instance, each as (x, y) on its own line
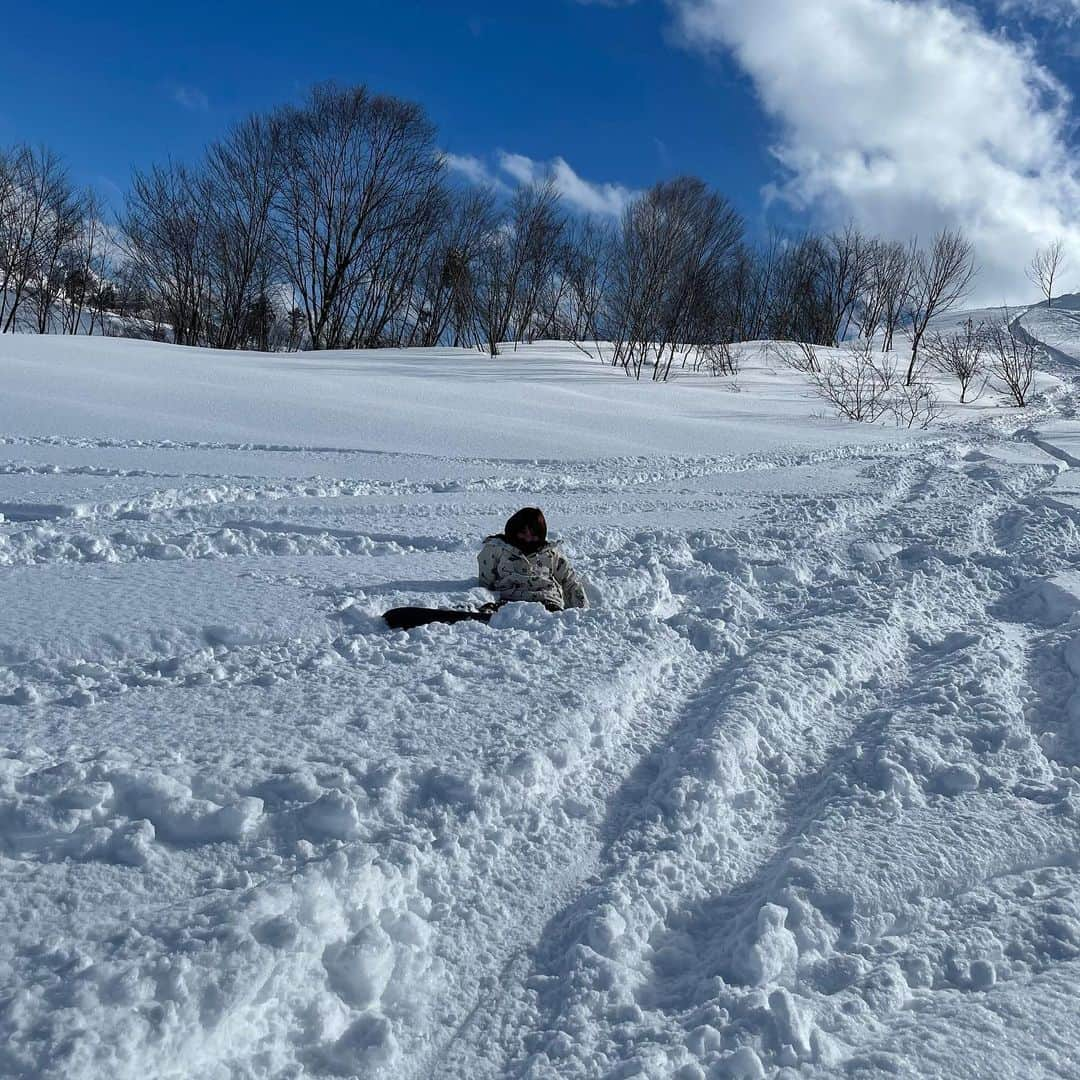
(335, 224)
(54, 262)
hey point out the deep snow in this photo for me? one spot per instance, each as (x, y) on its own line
(797, 796)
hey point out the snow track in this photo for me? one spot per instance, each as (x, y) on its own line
(797, 796)
(715, 889)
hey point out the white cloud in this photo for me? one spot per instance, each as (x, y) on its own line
(1066, 11)
(189, 97)
(907, 115)
(585, 195)
(472, 168)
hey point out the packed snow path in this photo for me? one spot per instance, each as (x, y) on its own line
(797, 796)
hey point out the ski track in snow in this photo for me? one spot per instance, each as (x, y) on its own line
(798, 796)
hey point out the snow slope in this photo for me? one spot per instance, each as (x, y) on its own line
(797, 796)
(1056, 327)
(544, 401)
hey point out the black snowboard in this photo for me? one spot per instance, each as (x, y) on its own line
(405, 618)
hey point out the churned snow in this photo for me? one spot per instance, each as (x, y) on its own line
(797, 795)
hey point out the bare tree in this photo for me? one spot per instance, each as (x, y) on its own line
(803, 308)
(939, 278)
(360, 176)
(167, 241)
(1044, 268)
(295, 322)
(538, 229)
(670, 268)
(87, 264)
(643, 261)
(55, 253)
(337, 213)
(587, 270)
(38, 213)
(888, 284)
(446, 298)
(11, 242)
(847, 261)
(516, 262)
(239, 181)
(959, 355)
(708, 233)
(747, 292)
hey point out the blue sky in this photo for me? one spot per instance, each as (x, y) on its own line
(901, 115)
(121, 84)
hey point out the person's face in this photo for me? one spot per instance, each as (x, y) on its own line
(527, 538)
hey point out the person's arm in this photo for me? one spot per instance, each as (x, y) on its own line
(488, 561)
(573, 590)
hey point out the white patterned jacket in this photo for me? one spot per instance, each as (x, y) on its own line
(545, 577)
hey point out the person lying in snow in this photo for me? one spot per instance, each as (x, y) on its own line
(520, 563)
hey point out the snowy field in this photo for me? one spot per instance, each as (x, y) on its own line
(797, 796)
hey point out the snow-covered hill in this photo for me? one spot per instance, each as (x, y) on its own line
(797, 795)
(1057, 327)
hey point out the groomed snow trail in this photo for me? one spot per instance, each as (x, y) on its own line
(798, 795)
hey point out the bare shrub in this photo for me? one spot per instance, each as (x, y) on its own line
(799, 356)
(1012, 358)
(915, 404)
(864, 385)
(716, 359)
(853, 385)
(884, 363)
(960, 356)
